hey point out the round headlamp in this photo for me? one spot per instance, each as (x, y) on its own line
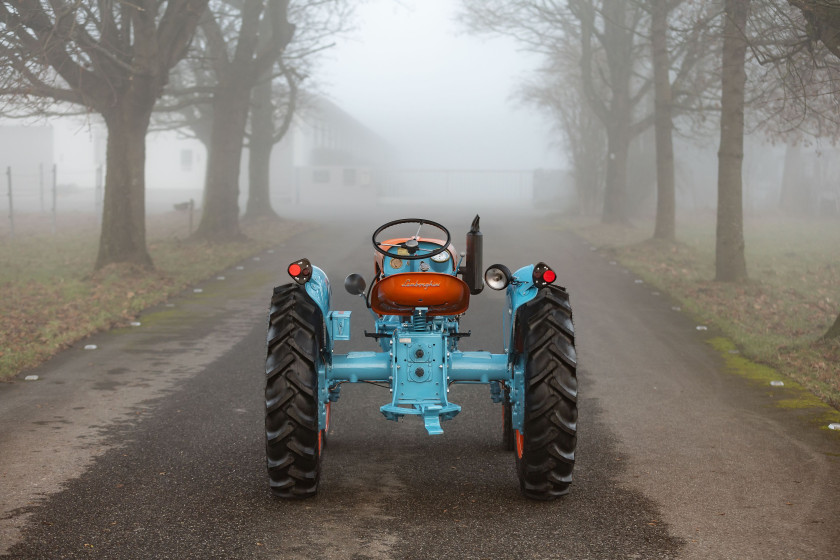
(497, 277)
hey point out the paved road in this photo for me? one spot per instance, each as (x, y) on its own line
(151, 446)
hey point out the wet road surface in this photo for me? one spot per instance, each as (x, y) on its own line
(151, 446)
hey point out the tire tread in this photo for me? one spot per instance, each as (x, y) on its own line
(293, 459)
(550, 422)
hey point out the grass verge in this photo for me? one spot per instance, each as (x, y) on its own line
(778, 317)
(51, 298)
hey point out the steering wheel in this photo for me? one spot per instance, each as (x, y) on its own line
(412, 244)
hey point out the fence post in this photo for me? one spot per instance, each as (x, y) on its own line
(192, 206)
(54, 182)
(11, 202)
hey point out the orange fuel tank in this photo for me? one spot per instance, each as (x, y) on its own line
(399, 294)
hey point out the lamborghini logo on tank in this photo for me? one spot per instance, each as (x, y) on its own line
(409, 283)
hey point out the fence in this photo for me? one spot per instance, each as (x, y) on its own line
(460, 185)
(38, 190)
(48, 192)
(48, 199)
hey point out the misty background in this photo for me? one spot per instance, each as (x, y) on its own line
(442, 97)
(437, 99)
(482, 103)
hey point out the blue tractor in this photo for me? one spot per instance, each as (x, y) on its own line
(417, 299)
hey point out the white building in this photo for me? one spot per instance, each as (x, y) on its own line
(327, 157)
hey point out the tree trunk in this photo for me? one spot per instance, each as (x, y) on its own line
(589, 182)
(823, 19)
(730, 262)
(123, 234)
(615, 188)
(220, 213)
(795, 194)
(834, 331)
(259, 153)
(663, 124)
(618, 42)
(255, 53)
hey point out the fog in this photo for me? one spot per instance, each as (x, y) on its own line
(646, 199)
(407, 101)
(439, 96)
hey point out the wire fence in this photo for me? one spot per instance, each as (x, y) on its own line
(37, 191)
(504, 186)
(49, 198)
(55, 198)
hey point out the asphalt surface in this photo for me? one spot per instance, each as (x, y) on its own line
(151, 446)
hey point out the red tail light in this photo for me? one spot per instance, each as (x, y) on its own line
(300, 271)
(543, 275)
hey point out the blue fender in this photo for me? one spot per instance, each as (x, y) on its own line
(520, 291)
(318, 289)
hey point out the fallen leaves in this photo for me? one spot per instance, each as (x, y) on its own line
(51, 299)
(778, 316)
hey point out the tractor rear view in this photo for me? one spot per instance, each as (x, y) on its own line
(421, 287)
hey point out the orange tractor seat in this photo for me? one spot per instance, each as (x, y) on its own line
(399, 294)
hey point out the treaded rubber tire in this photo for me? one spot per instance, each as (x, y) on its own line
(545, 451)
(294, 340)
(507, 421)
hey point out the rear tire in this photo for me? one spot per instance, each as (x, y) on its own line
(293, 442)
(545, 449)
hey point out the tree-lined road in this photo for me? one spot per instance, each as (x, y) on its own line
(151, 446)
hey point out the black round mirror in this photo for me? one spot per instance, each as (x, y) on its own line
(354, 284)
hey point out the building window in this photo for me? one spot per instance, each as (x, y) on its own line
(321, 175)
(349, 177)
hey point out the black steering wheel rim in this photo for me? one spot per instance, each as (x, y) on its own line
(410, 257)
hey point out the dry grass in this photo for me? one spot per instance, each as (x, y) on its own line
(51, 298)
(779, 316)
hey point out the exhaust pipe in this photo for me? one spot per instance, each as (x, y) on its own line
(472, 271)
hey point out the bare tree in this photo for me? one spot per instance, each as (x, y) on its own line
(794, 196)
(613, 45)
(112, 58)
(730, 261)
(238, 66)
(823, 17)
(557, 89)
(611, 52)
(248, 58)
(608, 31)
(824, 25)
(265, 133)
(666, 203)
(277, 96)
(793, 93)
(682, 39)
